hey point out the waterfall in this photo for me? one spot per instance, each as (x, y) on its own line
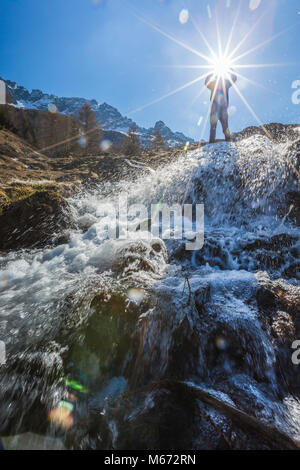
(122, 333)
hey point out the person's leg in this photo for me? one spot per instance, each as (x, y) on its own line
(224, 122)
(213, 124)
(213, 131)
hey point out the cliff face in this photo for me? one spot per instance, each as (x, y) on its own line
(50, 133)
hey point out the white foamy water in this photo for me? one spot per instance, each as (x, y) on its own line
(244, 188)
(242, 185)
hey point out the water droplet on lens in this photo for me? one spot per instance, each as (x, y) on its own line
(221, 343)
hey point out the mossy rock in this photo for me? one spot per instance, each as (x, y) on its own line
(4, 200)
(18, 191)
(33, 220)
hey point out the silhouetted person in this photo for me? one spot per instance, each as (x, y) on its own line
(219, 102)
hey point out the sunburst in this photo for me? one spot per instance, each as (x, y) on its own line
(220, 62)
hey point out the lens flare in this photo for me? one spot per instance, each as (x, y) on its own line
(232, 110)
(82, 141)
(253, 4)
(184, 16)
(61, 417)
(105, 145)
(209, 12)
(221, 343)
(200, 121)
(52, 108)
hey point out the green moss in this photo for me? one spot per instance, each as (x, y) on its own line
(4, 200)
(18, 192)
(3, 194)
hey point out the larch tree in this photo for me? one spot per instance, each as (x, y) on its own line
(158, 142)
(132, 144)
(91, 128)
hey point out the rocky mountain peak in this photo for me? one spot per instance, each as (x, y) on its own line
(159, 125)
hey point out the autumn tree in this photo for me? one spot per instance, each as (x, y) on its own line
(158, 142)
(72, 133)
(91, 128)
(131, 144)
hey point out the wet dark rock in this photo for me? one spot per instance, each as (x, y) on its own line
(279, 307)
(283, 327)
(293, 201)
(139, 256)
(189, 418)
(272, 253)
(184, 338)
(224, 346)
(292, 271)
(29, 386)
(33, 221)
(274, 243)
(275, 254)
(177, 252)
(182, 423)
(61, 239)
(202, 297)
(278, 132)
(266, 295)
(103, 347)
(92, 431)
(166, 341)
(269, 260)
(213, 253)
(277, 295)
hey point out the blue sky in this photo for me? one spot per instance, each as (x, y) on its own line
(101, 49)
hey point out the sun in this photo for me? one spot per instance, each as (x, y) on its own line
(223, 61)
(222, 66)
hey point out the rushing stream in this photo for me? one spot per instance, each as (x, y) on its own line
(142, 344)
